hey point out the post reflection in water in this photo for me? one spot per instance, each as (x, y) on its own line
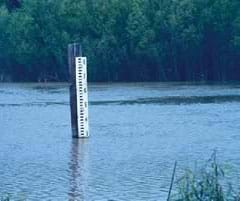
(78, 169)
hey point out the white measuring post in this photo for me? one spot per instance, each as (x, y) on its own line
(82, 96)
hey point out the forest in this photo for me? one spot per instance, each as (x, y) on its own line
(124, 40)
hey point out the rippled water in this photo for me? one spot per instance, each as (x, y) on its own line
(137, 132)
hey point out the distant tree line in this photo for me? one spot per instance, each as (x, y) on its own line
(124, 40)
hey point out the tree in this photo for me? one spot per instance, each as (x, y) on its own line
(131, 40)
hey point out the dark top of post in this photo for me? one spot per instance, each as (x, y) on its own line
(74, 50)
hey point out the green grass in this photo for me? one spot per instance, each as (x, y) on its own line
(206, 184)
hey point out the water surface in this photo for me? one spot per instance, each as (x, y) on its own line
(137, 132)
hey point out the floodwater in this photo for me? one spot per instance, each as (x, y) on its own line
(137, 131)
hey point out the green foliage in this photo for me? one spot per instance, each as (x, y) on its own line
(132, 40)
(206, 184)
(237, 35)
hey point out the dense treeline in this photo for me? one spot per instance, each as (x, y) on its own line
(124, 40)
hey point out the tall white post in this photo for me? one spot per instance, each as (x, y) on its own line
(82, 96)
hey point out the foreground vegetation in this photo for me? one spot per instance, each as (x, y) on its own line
(207, 184)
(130, 40)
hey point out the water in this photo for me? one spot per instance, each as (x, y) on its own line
(137, 132)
